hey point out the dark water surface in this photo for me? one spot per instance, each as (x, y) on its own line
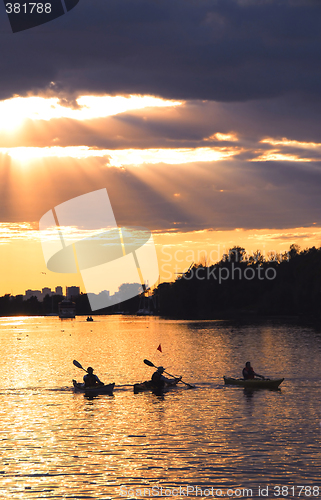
(57, 444)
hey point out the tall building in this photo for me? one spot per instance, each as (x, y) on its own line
(72, 291)
(33, 293)
(46, 291)
(58, 290)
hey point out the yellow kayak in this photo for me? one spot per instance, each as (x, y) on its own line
(254, 383)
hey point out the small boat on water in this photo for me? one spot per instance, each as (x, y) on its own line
(254, 383)
(144, 312)
(67, 309)
(149, 386)
(89, 318)
(95, 390)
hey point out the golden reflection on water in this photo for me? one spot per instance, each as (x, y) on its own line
(57, 444)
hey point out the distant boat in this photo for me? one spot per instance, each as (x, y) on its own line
(144, 312)
(89, 318)
(146, 303)
(67, 309)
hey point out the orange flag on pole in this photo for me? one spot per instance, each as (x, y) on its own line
(159, 348)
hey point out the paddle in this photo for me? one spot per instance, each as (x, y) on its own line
(149, 363)
(79, 365)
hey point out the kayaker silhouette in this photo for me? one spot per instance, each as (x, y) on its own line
(90, 379)
(158, 378)
(249, 373)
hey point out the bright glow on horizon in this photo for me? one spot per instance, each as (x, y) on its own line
(27, 231)
(16, 230)
(120, 157)
(17, 109)
(20, 247)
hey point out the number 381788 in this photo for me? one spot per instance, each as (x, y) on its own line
(28, 8)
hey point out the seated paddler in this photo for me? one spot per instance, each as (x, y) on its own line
(90, 379)
(158, 378)
(249, 373)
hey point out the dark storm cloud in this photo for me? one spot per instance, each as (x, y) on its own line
(209, 49)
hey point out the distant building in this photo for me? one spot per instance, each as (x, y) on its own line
(72, 291)
(33, 293)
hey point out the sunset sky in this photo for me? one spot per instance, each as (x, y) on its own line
(201, 118)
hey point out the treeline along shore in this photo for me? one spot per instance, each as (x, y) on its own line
(277, 284)
(273, 285)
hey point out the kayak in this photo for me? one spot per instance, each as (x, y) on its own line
(149, 386)
(254, 383)
(94, 390)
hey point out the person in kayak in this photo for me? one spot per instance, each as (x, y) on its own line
(249, 373)
(90, 379)
(158, 379)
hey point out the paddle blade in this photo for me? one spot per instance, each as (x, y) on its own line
(149, 363)
(78, 364)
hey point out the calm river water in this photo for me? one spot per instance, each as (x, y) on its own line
(214, 440)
